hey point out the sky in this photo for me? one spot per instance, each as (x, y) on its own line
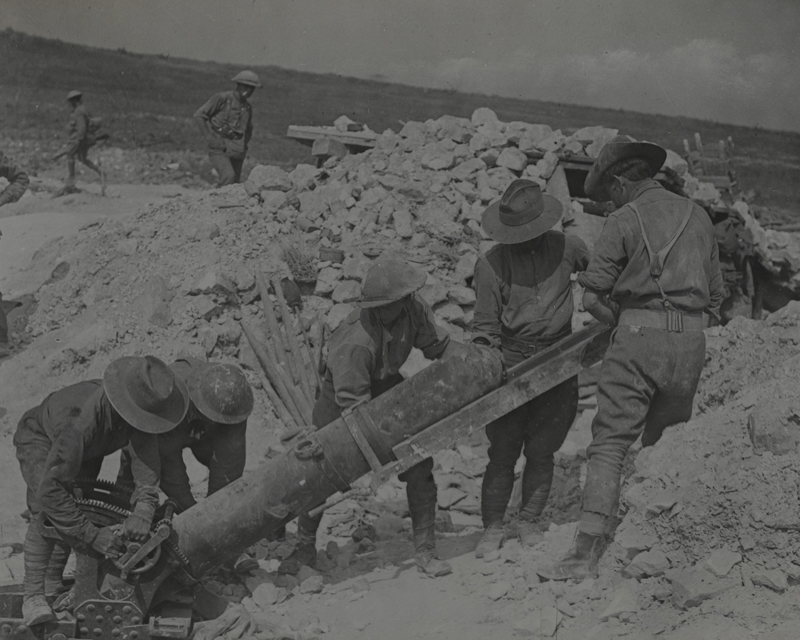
(734, 61)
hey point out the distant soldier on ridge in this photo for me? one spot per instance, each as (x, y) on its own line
(226, 122)
(82, 130)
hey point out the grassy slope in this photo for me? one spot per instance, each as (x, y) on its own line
(148, 101)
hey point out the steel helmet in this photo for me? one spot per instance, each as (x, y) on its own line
(221, 393)
(74, 94)
(246, 77)
(389, 280)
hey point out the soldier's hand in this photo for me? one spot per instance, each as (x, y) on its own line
(107, 543)
(135, 528)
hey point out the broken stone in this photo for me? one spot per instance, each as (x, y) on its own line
(660, 504)
(533, 137)
(513, 159)
(346, 291)
(483, 116)
(541, 623)
(437, 158)
(312, 584)
(721, 561)
(403, 223)
(461, 295)
(337, 315)
(450, 312)
(328, 148)
(153, 303)
(690, 587)
(433, 293)
(498, 590)
(356, 266)
(467, 168)
(206, 307)
(245, 280)
(327, 280)
(265, 594)
(216, 282)
(558, 188)
(623, 601)
(465, 267)
(302, 176)
(647, 564)
(267, 177)
(547, 165)
(773, 579)
(771, 429)
(449, 496)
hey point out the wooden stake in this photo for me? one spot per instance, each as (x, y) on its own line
(282, 349)
(300, 412)
(280, 408)
(291, 335)
(315, 375)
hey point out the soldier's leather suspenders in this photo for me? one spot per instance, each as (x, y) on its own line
(657, 260)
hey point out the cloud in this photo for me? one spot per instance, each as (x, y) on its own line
(703, 78)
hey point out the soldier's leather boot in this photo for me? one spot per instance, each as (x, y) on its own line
(425, 554)
(580, 562)
(35, 610)
(491, 540)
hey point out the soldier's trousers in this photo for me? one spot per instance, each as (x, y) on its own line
(228, 169)
(648, 379)
(538, 429)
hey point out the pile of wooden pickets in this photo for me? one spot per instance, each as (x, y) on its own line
(290, 363)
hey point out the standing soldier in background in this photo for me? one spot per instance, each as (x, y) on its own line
(654, 273)
(226, 122)
(82, 136)
(17, 183)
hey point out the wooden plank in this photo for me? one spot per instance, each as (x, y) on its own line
(307, 135)
(527, 380)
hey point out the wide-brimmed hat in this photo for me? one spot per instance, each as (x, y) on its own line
(616, 149)
(146, 393)
(74, 94)
(523, 213)
(220, 392)
(387, 281)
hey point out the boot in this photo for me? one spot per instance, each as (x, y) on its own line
(529, 533)
(425, 554)
(65, 601)
(305, 551)
(491, 540)
(580, 562)
(35, 610)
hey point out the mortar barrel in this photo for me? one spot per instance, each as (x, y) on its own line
(249, 509)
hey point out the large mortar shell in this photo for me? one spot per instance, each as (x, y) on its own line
(247, 510)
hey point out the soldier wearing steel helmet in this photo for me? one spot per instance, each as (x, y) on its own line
(364, 357)
(226, 122)
(214, 430)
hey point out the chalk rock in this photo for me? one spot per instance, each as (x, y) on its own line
(450, 312)
(721, 561)
(267, 177)
(676, 163)
(554, 142)
(449, 496)
(337, 314)
(245, 280)
(312, 584)
(532, 138)
(631, 538)
(433, 292)
(403, 223)
(327, 279)
(346, 291)
(479, 142)
(547, 165)
(587, 135)
(690, 587)
(455, 129)
(302, 176)
(467, 168)
(498, 590)
(328, 148)
(771, 426)
(465, 267)
(558, 188)
(272, 200)
(541, 623)
(355, 267)
(153, 303)
(437, 158)
(623, 601)
(265, 594)
(773, 579)
(461, 295)
(482, 116)
(647, 564)
(513, 159)
(593, 148)
(216, 282)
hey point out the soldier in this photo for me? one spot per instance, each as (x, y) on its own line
(524, 303)
(214, 429)
(65, 438)
(364, 358)
(655, 271)
(17, 184)
(81, 139)
(226, 122)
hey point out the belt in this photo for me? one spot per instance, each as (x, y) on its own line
(532, 345)
(692, 320)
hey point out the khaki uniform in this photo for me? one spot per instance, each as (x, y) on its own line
(231, 120)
